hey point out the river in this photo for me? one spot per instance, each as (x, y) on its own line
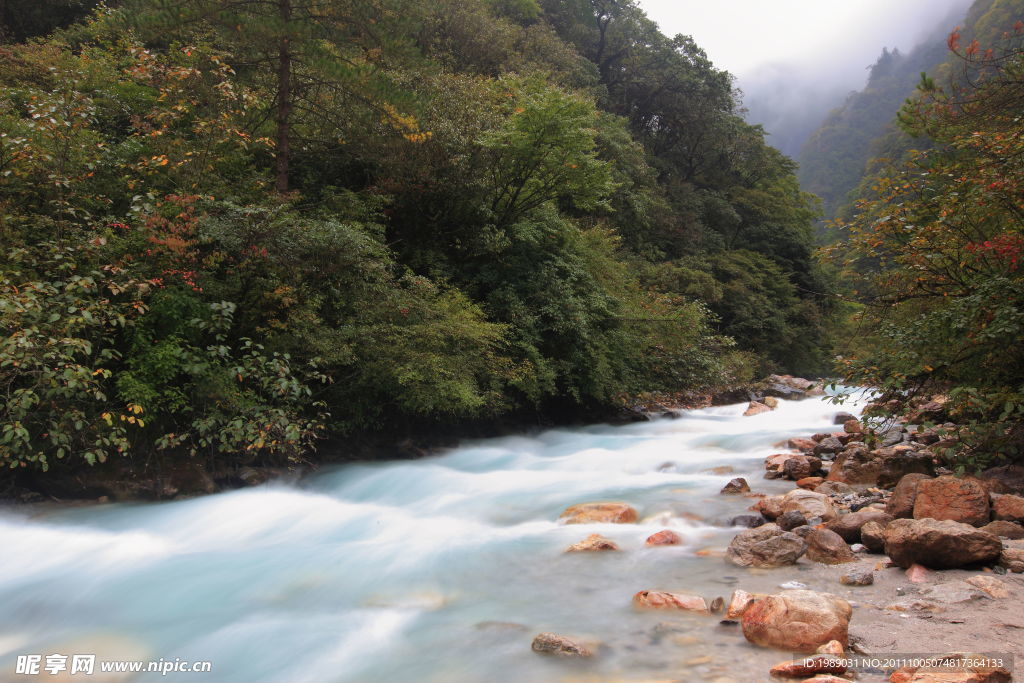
(441, 569)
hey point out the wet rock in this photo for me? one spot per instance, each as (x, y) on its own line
(737, 485)
(666, 600)
(828, 547)
(810, 483)
(1005, 529)
(739, 601)
(749, 521)
(801, 444)
(797, 621)
(1008, 507)
(853, 426)
(563, 646)
(872, 535)
(858, 576)
(856, 465)
(791, 520)
(951, 498)
(809, 503)
(593, 543)
(849, 526)
(765, 546)
(901, 502)
(756, 408)
(771, 402)
(664, 537)
(953, 593)
(770, 506)
(598, 513)
(808, 666)
(800, 466)
(939, 544)
(843, 418)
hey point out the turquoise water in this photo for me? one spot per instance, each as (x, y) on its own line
(440, 569)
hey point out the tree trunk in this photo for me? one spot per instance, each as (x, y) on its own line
(284, 99)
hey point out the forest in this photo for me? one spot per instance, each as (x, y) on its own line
(259, 233)
(233, 233)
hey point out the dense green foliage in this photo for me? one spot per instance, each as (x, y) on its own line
(936, 249)
(231, 233)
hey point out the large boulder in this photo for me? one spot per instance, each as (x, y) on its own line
(939, 544)
(960, 500)
(858, 466)
(849, 526)
(554, 644)
(599, 513)
(765, 546)
(809, 504)
(827, 547)
(1008, 507)
(666, 600)
(901, 502)
(797, 621)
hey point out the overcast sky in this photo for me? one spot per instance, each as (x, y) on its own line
(847, 35)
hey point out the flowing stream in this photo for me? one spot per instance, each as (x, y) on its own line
(441, 569)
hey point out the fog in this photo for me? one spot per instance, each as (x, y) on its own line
(795, 60)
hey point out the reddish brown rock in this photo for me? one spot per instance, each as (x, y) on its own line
(593, 543)
(664, 537)
(598, 513)
(918, 574)
(797, 621)
(666, 600)
(1012, 556)
(1005, 529)
(775, 463)
(563, 646)
(849, 526)
(955, 667)
(801, 444)
(827, 547)
(739, 601)
(1008, 507)
(852, 427)
(770, 506)
(809, 666)
(756, 408)
(951, 498)
(737, 485)
(856, 465)
(800, 466)
(810, 483)
(872, 535)
(939, 544)
(901, 502)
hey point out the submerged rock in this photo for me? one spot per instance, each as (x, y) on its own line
(593, 543)
(554, 644)
(939, 544)
(597, 513)
(765, 546)
(664, 537)
(797, 621)
(667, 600)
